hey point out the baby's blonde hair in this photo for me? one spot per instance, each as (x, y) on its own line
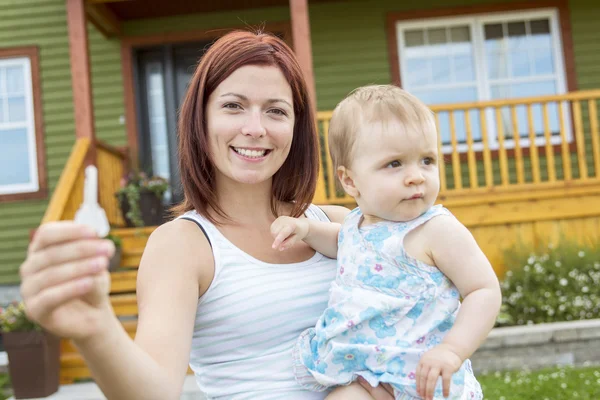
(368, 104)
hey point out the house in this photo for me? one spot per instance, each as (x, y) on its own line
(100, 81)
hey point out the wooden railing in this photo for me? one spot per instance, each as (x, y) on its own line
(503, 146)
(111, 163)
(68, 194)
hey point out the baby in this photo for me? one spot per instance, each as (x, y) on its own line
(394, 314)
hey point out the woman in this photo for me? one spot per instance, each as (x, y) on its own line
(211, 290)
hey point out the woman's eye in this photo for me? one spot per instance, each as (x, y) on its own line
(394, 164)
(278, 111)
(231, 106)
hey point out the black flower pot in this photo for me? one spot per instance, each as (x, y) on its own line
(151, 209)
(33, 363)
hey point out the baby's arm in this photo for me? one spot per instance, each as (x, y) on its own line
(456, 253)
(321, 236)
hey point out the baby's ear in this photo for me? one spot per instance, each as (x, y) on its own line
(345, 177)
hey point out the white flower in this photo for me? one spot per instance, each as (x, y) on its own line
(563, 282)
(581, 254)
(531, 260)
(558, 263)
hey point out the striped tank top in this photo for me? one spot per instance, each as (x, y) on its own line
(250, 317)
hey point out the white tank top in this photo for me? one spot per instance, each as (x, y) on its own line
(250, 317)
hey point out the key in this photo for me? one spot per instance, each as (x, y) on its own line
(90, 213)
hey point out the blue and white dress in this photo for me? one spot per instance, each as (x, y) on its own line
(386, 309)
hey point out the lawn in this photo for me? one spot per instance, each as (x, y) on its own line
(4, 382)
(566, 383)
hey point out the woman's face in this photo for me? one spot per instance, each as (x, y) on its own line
(250, 123)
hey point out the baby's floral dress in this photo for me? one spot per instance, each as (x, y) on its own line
(386, 309)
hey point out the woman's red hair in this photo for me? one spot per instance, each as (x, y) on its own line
(296, 180)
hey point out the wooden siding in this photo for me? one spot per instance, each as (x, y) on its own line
(39, 23)
(107, 88)
(349, 50)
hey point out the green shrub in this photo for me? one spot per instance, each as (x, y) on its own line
(557, 284)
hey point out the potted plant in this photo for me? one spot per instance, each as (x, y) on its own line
(115, 261)
(141, 199)
(33, 354)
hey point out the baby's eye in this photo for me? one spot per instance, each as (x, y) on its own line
(429, 161)
(394, 164)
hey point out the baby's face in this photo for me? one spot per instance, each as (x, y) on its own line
(395, 171)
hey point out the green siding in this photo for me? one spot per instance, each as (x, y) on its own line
(107, 87)
(40, 23)
(251, 18)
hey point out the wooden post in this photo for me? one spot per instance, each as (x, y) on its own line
(302, 44)
(81, 75)
(303, 50)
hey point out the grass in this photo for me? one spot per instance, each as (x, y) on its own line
(564, 383)
(4, 384)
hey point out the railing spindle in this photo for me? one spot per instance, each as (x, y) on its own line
(533, 150)
(471, 162)
(517, 141)
(487, 156)
(441, 164)
(564, 146)
(549, 149)
(579, 139)
(595, 135)
(501, 148)
(455, 155)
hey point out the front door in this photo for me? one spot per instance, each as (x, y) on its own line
(163, 74)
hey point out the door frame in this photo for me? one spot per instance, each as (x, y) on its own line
(129, 44)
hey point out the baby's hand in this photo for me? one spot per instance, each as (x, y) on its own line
(441, 360)
(287, 231)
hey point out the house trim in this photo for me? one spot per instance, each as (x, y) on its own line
(32, 53)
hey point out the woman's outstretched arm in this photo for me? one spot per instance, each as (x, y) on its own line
(177, 264)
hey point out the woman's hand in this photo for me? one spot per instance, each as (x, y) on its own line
(64, 280)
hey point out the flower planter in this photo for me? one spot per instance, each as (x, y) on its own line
(151, 209)
(33, 363)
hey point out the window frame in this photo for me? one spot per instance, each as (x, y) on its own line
(38, 189)
(560, 27)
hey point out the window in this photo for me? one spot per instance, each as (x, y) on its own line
(485, 57)
(21, 136)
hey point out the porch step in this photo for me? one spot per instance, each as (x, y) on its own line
(123, 281)
(124, 304)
